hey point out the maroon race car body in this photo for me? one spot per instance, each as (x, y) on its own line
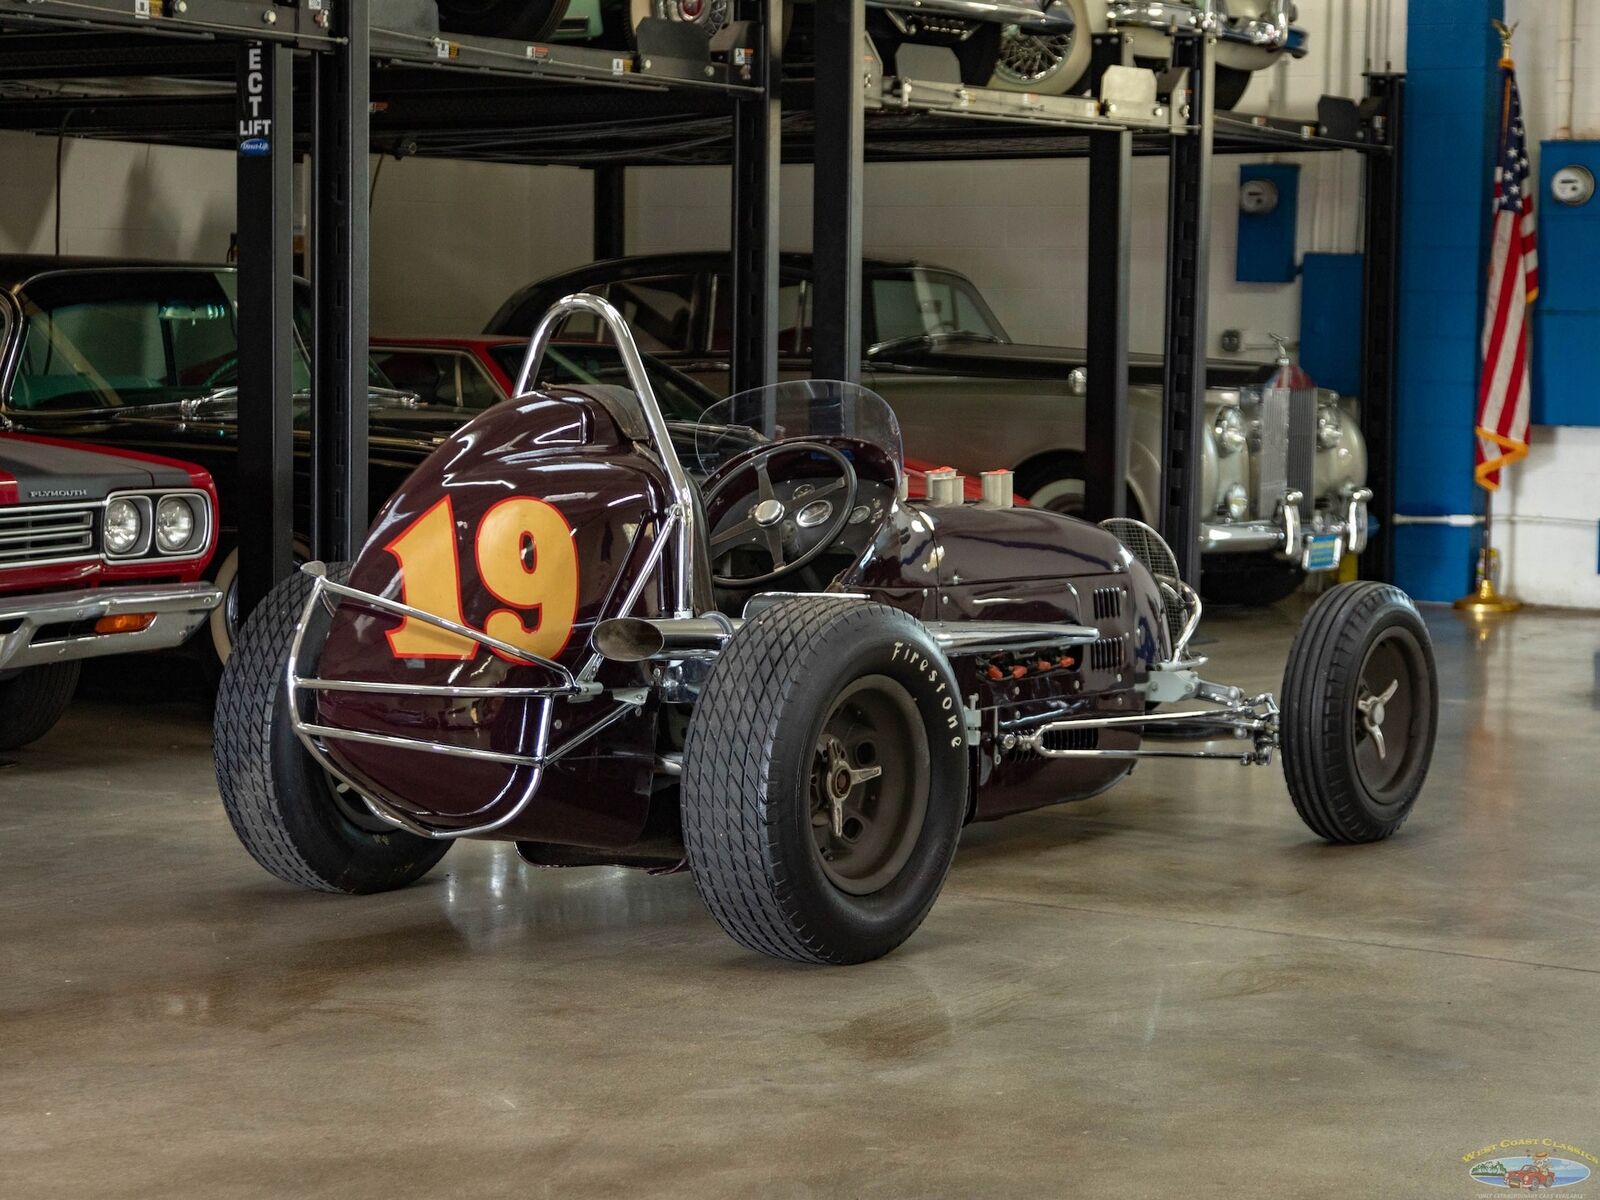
(561, 634)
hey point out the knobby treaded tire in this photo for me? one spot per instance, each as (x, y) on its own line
(1317, 721)
(277, 798)
(745, 775)
(33, 702)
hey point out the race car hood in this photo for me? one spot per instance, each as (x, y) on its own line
(36, 470)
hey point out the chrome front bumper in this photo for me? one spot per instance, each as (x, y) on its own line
(59, 627)
(1288, 536)
(1170, 17)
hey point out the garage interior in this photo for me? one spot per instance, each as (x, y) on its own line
(1172, 988)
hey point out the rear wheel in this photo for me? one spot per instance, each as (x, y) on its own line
(32, 702)
(294, 818)
(1056, 484)
(825, 781)
(1360, 713)
(530, 20)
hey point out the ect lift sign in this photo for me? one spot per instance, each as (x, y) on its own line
(255, 129)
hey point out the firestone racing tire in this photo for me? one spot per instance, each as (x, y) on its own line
(32, 701)
(825, 781)
(1360, 713)
(290, 814)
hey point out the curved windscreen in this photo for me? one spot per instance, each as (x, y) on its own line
(824, 410)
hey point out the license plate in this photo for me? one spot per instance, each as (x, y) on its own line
(1322, 552)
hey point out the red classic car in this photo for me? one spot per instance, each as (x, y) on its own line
(1534, 1175)
(101, 552)
(475, 373)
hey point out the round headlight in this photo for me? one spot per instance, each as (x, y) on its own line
(174, 524)
(1236, 502)
(124, 526)
(1330, 429)
(1230, 432)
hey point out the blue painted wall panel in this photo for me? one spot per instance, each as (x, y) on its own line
(1566, 330)
(1330, 320)
(1266, 246)
(1451, 109)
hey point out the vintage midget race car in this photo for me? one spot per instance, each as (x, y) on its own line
(773, 669)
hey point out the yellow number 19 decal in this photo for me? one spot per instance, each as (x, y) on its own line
(526, 559)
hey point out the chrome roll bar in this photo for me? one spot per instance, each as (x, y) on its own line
(683, 495)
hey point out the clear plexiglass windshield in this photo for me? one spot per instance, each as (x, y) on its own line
(803, 409)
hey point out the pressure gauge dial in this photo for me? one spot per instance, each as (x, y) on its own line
(1258, 197)
(1572, 186)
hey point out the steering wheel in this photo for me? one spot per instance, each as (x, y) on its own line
(764, 526)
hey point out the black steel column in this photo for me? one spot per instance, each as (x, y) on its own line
(836, 189)
(340, 142)
(757, 157)
(266, 325)
(1188, 277)
(1380, 326)
(610, 212)
(1110, 235)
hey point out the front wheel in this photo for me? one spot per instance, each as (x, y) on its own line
(1049, 64)
(32, 701)
(1360, 712)
(825, 781)
(291, 815)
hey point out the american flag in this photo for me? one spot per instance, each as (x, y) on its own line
(1504, 396)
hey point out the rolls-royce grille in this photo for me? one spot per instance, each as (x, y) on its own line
(1107, 654)
(45, 535)
(1107, 603)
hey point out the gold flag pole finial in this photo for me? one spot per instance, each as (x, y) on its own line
(1506, 32)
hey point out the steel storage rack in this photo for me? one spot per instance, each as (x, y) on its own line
(381, 77)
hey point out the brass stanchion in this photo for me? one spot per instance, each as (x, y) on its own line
(1485, 600)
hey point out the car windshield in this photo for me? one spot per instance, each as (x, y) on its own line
(918, 302)
(133, 337)
(681, 398)
(802, 409)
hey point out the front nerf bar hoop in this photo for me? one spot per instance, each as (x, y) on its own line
(315, 736)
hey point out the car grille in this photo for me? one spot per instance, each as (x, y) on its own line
(1108, 603)
(46, 534)
(1287, 458)
(1072, 739)
(1107, 654)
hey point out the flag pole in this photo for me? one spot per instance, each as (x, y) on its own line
(1485, 600)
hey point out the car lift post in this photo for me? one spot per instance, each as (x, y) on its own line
(1188, 277)
(839, 155)
(757, 159)
(610, 211)
(1380, 326)
(341, 139)
(1106, 362)
(264, 212)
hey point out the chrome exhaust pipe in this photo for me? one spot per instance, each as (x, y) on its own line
(640, 639)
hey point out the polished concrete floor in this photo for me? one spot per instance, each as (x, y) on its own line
(1170, 991)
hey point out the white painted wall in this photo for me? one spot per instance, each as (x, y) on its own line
(1548, 511)
(450, 240)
